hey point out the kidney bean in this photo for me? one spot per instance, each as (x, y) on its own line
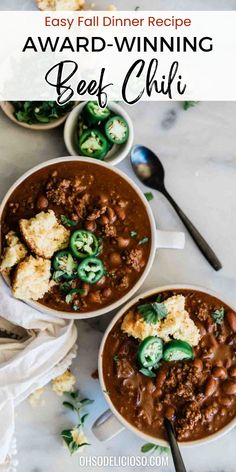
(90, 225)
(161, 377)
(198, 364)
(115, 259)
(111, 215)
(42, 203)
(122, 242)
(225, 401)
(94, 297)
(231, 318)
(210, 386)
(229, 387)
(232, 371)
(219, 373)
(120, 213)
(106, 292)
(228, 363)
(103, 220)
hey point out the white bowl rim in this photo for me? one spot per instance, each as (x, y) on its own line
(75, 112)
(76, 315)
(146, 437)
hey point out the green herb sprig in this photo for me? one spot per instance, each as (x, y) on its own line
(189, 104)
(39, 112)
(70, 436)
(149, 196)
(153, 312)
(149, 447)
(218, 315)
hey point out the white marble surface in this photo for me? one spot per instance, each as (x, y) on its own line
(198, 150)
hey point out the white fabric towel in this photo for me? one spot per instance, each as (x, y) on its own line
(42, 348)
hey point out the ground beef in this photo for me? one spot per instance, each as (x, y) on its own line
(191, 415)
(133, 258)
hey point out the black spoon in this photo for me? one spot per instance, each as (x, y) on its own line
(177, 458)
(150, 171)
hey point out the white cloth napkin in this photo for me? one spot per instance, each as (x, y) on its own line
(43, 348)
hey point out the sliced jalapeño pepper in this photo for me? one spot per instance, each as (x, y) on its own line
(84, 243)
(93, 113)
(177, 351)
(117, 130)
(63, 261)
(92, 143)
(150, 351)
(91, 270)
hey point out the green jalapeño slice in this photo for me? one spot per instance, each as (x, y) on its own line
(177, 351)
(91, 270)
(63, 261)
(84, 243)
(150, 351)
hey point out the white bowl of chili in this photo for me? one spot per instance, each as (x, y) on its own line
(208, 376)
(83, 128)
(113, 209)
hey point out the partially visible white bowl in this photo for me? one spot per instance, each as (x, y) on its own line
(8, 109)
(117, 152)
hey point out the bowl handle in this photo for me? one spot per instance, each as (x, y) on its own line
(106, 426)
(170, 239)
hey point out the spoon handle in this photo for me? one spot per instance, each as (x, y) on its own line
(177, 458)
(199, 240)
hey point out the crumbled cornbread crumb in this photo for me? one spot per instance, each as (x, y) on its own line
(64, 383)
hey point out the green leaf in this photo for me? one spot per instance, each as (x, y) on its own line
(69, 405)
(149, 196)
(133, 234)
(82, 419)
(218, 315)
(67, 222)
(162, 449)
(67, 436)
(65, 287)
(143, 241)
(57, 275)
(116, 358)
(86, 401)
(154, 447)
(147, 447)
(153, 312)
(147, 372)
(189, 104)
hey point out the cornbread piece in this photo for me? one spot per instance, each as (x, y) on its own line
(79, 437)
(177, 324)
(43, 234)
(32, 278)
(64, 383)
(13, 253)
(57, 5)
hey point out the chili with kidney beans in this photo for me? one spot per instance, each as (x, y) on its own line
(197, 392)
(110, 232)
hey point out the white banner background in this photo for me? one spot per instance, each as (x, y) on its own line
(208, 75)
